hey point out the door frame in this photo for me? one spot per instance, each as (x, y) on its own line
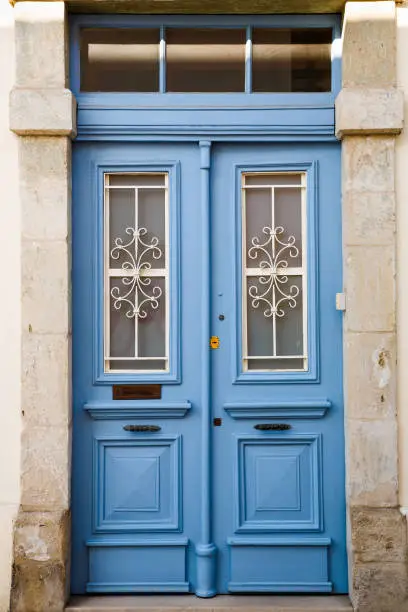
(45, 121)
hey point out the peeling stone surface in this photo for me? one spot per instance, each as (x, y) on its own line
(379, 587)
(41, 561)
(370, 365)
(378, 535)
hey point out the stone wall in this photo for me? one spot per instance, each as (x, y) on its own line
(369, 116)
(42, 114)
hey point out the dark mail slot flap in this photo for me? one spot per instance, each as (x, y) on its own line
(135, 392)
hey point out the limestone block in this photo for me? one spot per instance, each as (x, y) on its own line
(368, 163)
(378, 535)
(40, 43)
(369, 45)
(46, 380)
(42, 112)
(42, 536)
(372, 463)
(370, 111)
(45, 468)
(370, 288)
(45, 287)
(368, 218)
(38, 587)
(45, 187)
(370, 375)
(379, 587)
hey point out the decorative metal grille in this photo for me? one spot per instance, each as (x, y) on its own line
(138, 293)
(136, 272)
(274, 272)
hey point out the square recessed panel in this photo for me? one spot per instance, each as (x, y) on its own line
(279, 483)
(137, 484)
(134, 480)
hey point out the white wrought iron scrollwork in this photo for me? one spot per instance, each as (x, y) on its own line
(275, 291)
(139, 293)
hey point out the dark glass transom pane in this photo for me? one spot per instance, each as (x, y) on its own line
(291, 60)
(205, 60)
(120, 59)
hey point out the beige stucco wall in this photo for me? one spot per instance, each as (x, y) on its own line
(402, 257)
(9, 310)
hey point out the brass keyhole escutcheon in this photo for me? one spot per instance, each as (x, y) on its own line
(214, 342)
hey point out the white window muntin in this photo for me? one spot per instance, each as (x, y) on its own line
(137, 273)
(267, 271)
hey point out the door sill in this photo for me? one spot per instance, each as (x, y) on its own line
(181, 603)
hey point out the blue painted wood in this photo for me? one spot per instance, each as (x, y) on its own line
(267, 565)
(117, 567)
(311, 168)
(279, 483)
(195, 116)
(110, 116)
(98, 495)
(223, 487)
(288, 482)
(152, 409)
(137, 484)
(205, 549)
(98, 167)
(235, 480)
(312, 409)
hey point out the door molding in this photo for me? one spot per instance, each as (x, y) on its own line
(41, 113)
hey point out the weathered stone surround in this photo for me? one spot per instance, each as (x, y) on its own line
(369, 116)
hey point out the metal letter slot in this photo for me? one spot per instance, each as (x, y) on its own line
(272, 426)
(141, 428)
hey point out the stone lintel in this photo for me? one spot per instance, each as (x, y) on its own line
(208, 7)
(42, 112)
(369, 111)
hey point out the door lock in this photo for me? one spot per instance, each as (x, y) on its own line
(214, 342)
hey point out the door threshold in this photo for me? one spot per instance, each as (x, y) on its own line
(224, 603)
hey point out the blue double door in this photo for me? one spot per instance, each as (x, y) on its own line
(208, 450)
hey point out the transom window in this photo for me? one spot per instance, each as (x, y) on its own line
(206, 60)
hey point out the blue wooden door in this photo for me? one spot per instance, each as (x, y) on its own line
(136, 504)
(278, 457)
(188, 478)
